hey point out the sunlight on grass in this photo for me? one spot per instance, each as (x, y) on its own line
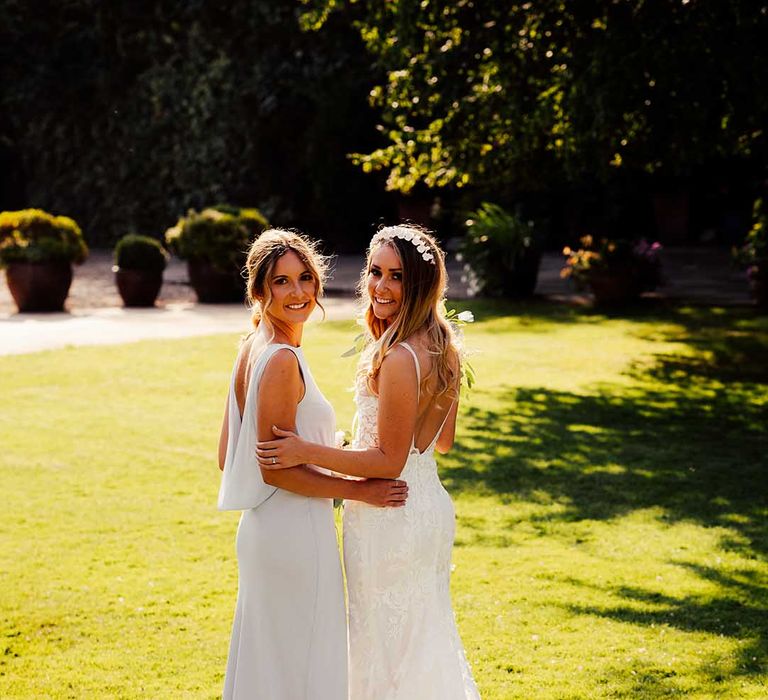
(610, 481)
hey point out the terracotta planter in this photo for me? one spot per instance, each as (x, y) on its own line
(139, 287)
(614, 287)
(39, 286)
(213, 286)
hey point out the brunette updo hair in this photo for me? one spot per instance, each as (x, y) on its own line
(263, 255)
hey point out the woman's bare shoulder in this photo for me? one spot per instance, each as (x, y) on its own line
(396, 367)
(397, 359)
(281, 379)
(282, 362)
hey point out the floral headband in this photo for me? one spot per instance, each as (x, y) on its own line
(406, 234)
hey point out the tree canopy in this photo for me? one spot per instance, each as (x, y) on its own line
(125, 114)
(531, 93)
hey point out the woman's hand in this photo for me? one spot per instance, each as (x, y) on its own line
(286, 452)
(383, 493)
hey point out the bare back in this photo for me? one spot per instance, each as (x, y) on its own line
(432, 413)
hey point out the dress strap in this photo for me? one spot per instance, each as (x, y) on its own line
(418, 369)
(440, 430)
(418, 385)
(418, 379)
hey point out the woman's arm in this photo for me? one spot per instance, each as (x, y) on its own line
(280, 390)
(398, 399)
(448, 433)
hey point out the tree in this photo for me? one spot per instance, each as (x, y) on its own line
(531, 94)
(126, 114)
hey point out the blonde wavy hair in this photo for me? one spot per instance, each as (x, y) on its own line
(263, 255)
(423, 307)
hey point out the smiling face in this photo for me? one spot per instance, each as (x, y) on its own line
(293, 289)
(385, 282)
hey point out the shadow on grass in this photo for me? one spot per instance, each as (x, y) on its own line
(698, 455)
(739, 611)
(725, 349)
(688, 437)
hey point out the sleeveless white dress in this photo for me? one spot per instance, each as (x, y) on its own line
(289, 637)
(403, 640)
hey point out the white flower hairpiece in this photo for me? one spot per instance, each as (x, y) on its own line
(405, 234)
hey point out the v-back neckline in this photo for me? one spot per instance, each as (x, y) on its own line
(436, 437)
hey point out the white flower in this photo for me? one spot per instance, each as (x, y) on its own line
(406, 235)
(466, 317)
(338, 439)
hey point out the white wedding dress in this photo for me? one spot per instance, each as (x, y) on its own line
(404, 644)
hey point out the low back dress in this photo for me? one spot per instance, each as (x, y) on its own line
(289, 637)
(403, 640)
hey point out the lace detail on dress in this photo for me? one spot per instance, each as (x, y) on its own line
(367, 430)
(404, 643)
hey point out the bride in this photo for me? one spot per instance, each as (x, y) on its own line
(403, 638)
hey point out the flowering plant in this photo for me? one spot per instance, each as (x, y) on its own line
(648, 259)
(639, 260)
(753, 254)
(459, 319)
(35, 236)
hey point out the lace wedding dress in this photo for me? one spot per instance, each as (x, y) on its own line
(403, 640)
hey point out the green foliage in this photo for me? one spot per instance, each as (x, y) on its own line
(251, 218)
(753, 254)
(211, 235)
(129, 114)
(134, 252)
(459, 319)
(530, 95)
(495, 248)
(33, 235)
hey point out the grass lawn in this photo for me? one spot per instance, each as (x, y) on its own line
(610, 479)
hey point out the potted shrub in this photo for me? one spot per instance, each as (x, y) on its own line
(37, 251)
(500, 254)
(250, 217)
(753, 255)
(214, 243)
(139, 265)
(615, 271)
